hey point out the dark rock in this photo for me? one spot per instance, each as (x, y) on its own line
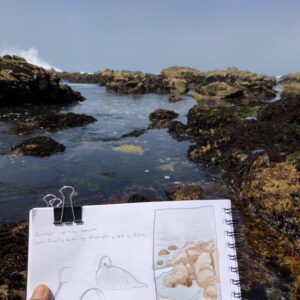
(55, 121)
(135, 198)
(164, 119)
(160, 124)
(134, 133)
(21, 82)
(287, 110)
(175, 98)
(162, 114)
(178, 130)
(209, 119)
(13, 260)
(185, 192)
(38, 146)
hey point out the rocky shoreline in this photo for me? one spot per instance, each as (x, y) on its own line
(259, 159)
(227, 83)
(255, 144)
(24, 83)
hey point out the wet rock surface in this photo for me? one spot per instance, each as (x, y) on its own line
(134, 133)
(21, 82)
(185, 192)
(54, 121)
(175, 128)
(38, 146)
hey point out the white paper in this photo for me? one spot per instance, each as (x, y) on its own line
(131, 251)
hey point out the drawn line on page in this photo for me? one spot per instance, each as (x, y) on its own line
(112, 277)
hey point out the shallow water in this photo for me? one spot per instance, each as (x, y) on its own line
(98, 173)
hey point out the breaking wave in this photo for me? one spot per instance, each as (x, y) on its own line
(31, 55)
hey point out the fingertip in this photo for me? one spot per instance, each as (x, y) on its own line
(41, 292)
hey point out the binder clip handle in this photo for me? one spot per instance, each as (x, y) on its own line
(67, 214)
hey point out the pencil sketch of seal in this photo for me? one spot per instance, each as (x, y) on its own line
(114, 278)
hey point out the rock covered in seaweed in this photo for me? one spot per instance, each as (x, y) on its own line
(235, 146)
(259, 161)
(238, 83)
(185, 192)
(55, 121)
(162, 114)
(227, 83)
(13, 260)
(218, 90)
(285, 111)
(272, 191)
(208, 119)
(38, 146)
(129, 82)
(22, 82)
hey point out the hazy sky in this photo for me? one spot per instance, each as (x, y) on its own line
(259, 35)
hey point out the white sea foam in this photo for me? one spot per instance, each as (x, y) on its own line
(31, 55)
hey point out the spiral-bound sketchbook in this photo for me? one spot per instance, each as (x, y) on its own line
(176, 250)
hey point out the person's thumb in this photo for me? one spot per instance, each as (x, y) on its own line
(41, 292)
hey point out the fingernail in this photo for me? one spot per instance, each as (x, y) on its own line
(41, 292)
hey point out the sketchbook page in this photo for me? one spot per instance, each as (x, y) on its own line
(159, 250)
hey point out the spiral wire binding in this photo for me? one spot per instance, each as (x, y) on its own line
(232, 246)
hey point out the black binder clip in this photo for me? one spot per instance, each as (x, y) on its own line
(67, 214)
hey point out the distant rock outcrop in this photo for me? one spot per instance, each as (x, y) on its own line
(80, 77)
(291, 77)
(128, 82)
(21, 82)
(218, 90)
(227, 83)
(241, 84)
